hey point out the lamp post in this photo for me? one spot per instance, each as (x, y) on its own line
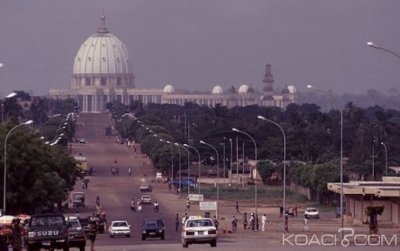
(230, 163)
(12, 94)
(172, 160)
(224, 159)
(372, 45)
(198, 155)
(373, 160)
(255, 177)
(216, 152)
(188, 169)
(386, 157)
(180, 168)
(5, 160)
(284, 162)
(341, 152)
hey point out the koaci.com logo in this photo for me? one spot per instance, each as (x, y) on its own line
(349, 238)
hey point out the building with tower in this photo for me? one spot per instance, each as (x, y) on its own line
(103, 72)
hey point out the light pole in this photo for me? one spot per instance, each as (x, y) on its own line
(180, 168)
(172, 160)
(341, 152)
(198, 155)
(224, 159)
(188, 169)
(5, 160)
(372, 45)
(230, 163)
(386, 157)
(12, 94)
(216, 152)
(284, 163)
(373, 160)
(255, 177)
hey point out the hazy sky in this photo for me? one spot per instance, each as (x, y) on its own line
(196, 44)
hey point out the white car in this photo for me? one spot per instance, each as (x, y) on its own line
(145, 199)
(119, 228)
(311, 212)
(199, 230)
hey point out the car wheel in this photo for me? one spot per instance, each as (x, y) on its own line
(306, 217)
(66, 247)
(111, 236)
(184, 244)
(128, 235)
(162, 237)
(82, 248)
(143, 237)
(213, 243)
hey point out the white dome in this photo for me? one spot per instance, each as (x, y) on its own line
(102, 53)
(292, 89)
(217, 90)
(243, 89)
(169, 89)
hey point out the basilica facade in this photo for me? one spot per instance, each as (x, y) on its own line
(102, 73)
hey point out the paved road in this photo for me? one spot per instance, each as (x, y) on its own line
(116, 192)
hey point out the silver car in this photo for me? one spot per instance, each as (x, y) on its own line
(119, 228)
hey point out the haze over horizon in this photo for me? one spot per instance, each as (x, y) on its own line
(196, 45)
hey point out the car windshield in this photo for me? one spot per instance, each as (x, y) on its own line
(312, 210)
(47, 221)
(120, 224)
(74, 223)
(152, 223)
(199, 223)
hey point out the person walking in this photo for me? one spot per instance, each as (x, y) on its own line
(130, 171)
(216, 223)
(177, 223)
(263, 222)
(92, 234)
(234, 224)
(237, 207)
(245, 221)
(286, 223)
(187, 205)
(305, 224)
(280, 211)
(133, 205)
(252, 221)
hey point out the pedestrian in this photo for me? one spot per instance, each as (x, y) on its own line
(252, 221)
(295, 211)
(280, 211)
(286, 223)
(305, 224)
(92, 234)
(177, 223)
(184, 218)
(234, 224)
(216, 223)
(187, 205)
(133, 205)
(245, 221)
(117, 171)
(130, 171)
(237, 207)
(98, 201)
(263, 222)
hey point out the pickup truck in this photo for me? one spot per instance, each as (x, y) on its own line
(48, 231)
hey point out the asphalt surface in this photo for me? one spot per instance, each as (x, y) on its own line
(116, 192)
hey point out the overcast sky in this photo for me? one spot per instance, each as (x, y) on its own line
(196, 44)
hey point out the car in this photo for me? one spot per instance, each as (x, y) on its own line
(199, 230)
(119, 228)
(82, 141)
(153, 227)
(145, 188)
(145, 199)
(311, 213)
(78, 199)
(76, 234)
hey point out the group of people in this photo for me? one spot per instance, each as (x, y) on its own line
(136, 206)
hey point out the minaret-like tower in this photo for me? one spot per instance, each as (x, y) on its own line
(268, 82)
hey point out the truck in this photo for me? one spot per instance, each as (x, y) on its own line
(48, 231)
(81, 164)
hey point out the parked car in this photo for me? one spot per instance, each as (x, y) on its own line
(82, 141)
(311, 213)
(78, 199)
(145, 199)
(145, 188)
(199, 230)
(153, 227)
(77, 237)
(119, 228)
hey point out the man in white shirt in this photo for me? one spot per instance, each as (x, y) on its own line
(263, 222)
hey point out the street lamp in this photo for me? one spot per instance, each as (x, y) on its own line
(341, 151)
(255, 159)
(230, 163)
(198, 155)
(180, 168)
(12, 94)
(216, 152)
(188, 168)
(386, 157)
(373, 160)
(224, 159)
(5, 160)
(284, 162)
(372, 45)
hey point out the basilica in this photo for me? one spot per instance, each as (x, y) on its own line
(102, 73)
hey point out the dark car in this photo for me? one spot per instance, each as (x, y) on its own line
(77, 236)
(145, 188)
(153, 227)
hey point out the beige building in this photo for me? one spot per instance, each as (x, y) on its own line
(361, 194)
(102, 73)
